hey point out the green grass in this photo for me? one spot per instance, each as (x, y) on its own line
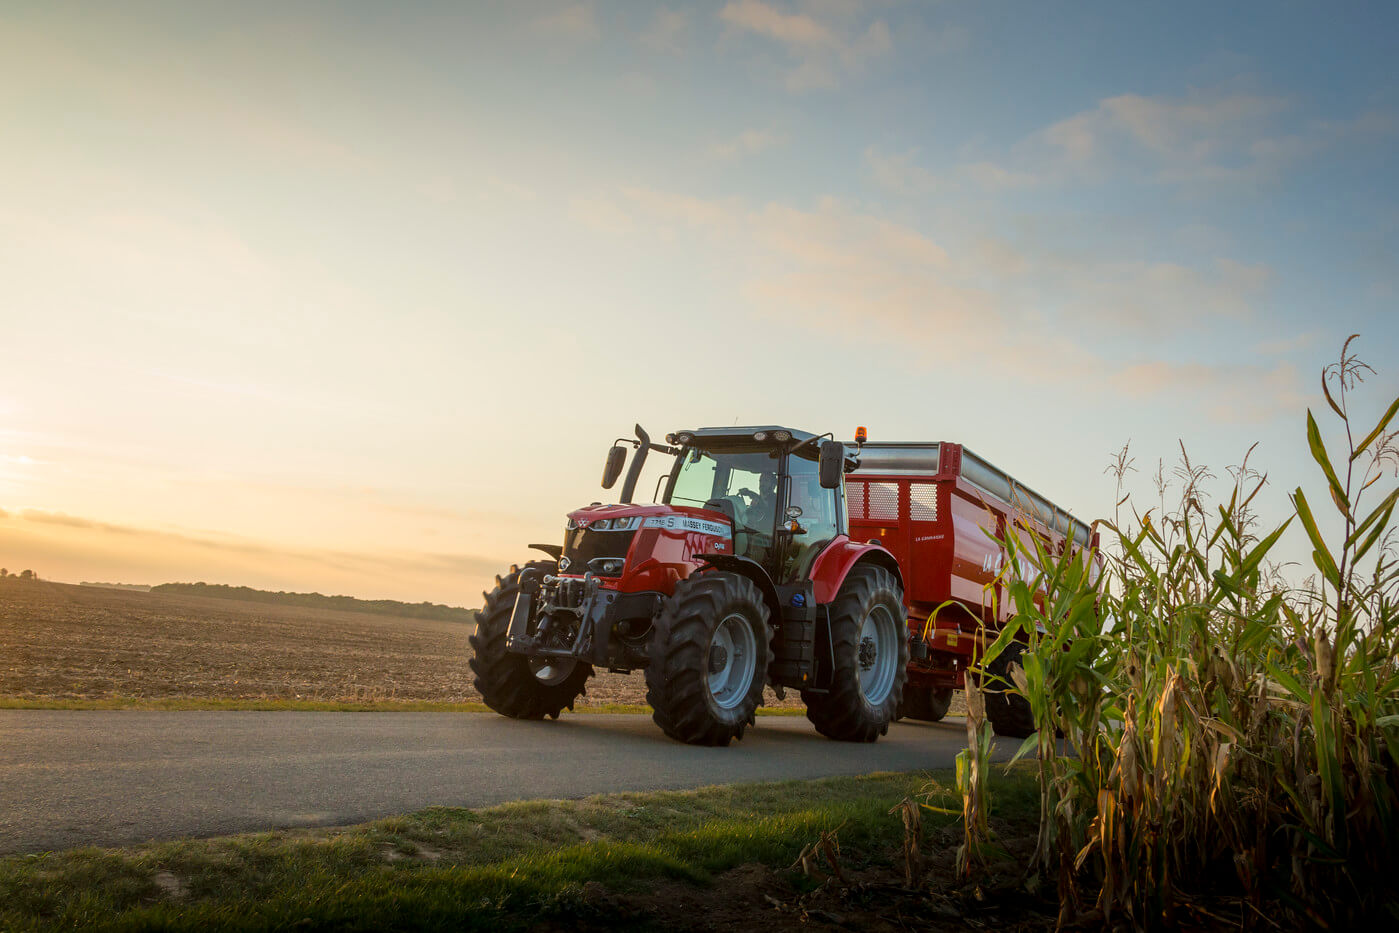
(505, 867)
(335, 706)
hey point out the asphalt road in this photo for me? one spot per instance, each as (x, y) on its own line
(70, 778)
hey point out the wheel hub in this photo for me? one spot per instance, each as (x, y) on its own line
(732, 661)
(868, 652)
(877, 656)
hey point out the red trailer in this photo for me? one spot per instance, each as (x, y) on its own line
(943, 512)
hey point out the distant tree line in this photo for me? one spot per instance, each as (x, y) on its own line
(22, 575)
(386, 607)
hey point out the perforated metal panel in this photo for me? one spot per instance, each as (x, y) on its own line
(923, 502)
(883, 502)
(855, 499)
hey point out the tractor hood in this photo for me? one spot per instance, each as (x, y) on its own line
(671, 517)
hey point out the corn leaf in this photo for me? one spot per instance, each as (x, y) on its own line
(1386, 504)
(1338, 492)
(1326, 390)
(1320, 553)
(1374, 536)
(1260, 550)
(1379, 429)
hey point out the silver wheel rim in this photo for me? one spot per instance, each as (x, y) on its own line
(877, 655)
(731, 661)
(551, 671)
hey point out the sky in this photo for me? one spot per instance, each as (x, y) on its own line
(353, 297)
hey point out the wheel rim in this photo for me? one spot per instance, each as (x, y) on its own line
(551, 671)
(878, 655)
(732, 660)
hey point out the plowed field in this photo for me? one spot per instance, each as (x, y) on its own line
(77, 642)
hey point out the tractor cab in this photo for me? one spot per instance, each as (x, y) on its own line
(766, 481)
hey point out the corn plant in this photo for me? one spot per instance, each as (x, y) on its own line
(1227, 738)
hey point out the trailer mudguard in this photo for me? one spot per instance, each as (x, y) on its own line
(833, 564)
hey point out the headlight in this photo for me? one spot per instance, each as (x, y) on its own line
(760, 436)
(782, 437)
(622, 524)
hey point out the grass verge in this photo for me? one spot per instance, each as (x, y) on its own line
(502, 868)
(333, 706)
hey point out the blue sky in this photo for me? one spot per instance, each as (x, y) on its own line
(352, 297)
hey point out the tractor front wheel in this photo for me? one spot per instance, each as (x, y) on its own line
(709, 654)
(513, 684)
(869, 638)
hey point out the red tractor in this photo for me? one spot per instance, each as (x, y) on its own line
(743, 575)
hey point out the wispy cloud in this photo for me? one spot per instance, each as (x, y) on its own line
(847, 271)
(824, 44)
(899, 172)
(666, 31)
(795, 29)
(1206, 137)
(575, 20)
(747, 143)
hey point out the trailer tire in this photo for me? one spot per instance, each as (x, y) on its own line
(505, 680)
(709, 654)
(1009, 713)
(926, 704)
(869, 601)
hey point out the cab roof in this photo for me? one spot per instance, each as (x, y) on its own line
(737, 434)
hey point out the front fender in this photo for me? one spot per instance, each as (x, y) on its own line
(751, 569)
(834, 564)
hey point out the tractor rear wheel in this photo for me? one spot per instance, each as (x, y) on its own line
(869, 638)
(513, 684)
(927, 704)
(1009, 713)
(709, 654)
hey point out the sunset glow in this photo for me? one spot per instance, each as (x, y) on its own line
(353, 297)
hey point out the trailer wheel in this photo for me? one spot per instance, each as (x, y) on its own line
(1009, 713)
(512, 684)
(926, 704)
(709, 654)
(869, 638)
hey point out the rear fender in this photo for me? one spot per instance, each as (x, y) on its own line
(840, 557)
(754, 571)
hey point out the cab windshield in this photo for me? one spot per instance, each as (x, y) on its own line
(745, 479)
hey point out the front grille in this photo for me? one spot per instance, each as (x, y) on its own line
(581, 545)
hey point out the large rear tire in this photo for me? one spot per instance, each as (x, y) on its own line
(1009, 713)
(926, 704)
(869, 638)
(709, 655)
(512, 684)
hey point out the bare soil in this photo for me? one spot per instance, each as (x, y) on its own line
(59, 641)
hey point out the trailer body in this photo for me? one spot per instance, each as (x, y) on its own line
(944, 513)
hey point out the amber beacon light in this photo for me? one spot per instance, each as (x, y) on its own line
(861, 435)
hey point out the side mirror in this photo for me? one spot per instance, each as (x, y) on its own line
(832, 464)
(616, 457)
